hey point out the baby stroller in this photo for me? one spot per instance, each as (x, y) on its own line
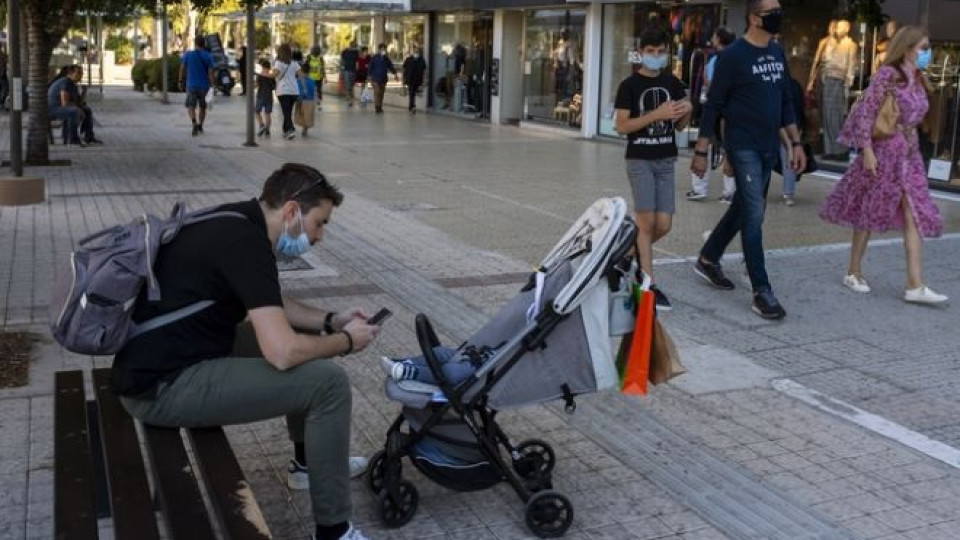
(552, 341)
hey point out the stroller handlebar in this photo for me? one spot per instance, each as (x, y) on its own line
(427, 339)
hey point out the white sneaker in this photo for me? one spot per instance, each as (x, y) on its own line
(856, 283)
(299, 479)
(924, 295)
(351, 534)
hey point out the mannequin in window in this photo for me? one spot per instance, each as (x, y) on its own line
(830, 38)
(835, 70)
(889, 30)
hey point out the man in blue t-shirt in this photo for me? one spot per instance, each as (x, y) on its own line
(196, 78)
(751, 91)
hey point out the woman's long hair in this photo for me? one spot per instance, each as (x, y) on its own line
(284, 53)
(902, 43)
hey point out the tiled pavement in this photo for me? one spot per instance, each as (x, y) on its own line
(444, 199)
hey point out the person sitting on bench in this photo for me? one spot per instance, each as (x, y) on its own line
(66, 102)
(253, 354)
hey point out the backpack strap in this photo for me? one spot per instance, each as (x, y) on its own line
(167, 318)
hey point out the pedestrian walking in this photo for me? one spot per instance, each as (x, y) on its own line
(363, 74)
(650, 105)
(721, 38)
(286, 72)
(380, 65)
(318, 69)
(306, 105)
(750, 91)
(242, 68)
(266, 84)
(790, 176)
(196, 79)
(348, 70)
(414, 68)
(886, 187)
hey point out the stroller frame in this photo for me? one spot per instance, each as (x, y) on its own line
(548, 513)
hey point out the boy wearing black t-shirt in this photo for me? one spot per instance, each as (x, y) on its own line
(650, 105)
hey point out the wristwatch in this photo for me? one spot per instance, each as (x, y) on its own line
(698, 153)
(796, 143)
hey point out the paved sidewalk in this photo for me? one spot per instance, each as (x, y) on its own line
(443, 216)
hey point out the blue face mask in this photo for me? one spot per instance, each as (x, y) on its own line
(293, 246)
(924, 58)
(654, 62)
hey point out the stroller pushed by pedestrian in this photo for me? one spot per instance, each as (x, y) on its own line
(552, 341)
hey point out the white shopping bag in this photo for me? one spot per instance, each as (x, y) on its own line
(366, 96)
(209, 99)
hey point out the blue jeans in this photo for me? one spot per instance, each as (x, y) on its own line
(455, 367)
(745, 216)
(71, 118)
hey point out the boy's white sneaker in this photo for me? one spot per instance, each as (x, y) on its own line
(924, 295)
(856, 283)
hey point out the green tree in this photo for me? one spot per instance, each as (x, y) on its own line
(46, 22)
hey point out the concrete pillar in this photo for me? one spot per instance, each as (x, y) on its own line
(592, 51)
(507, 106)
(377, 32)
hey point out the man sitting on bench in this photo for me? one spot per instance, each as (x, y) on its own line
(212, 368)
(66, 102)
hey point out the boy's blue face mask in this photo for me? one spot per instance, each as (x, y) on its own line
(924, 58)
(655, 62)
(293, 246)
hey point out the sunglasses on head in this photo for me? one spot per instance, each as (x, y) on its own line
(322, 181)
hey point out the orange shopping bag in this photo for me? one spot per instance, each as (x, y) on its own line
(633, 359)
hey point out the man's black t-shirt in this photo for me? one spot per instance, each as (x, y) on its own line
(640, 95)
(228, 260)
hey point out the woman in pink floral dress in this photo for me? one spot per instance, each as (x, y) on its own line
(886, 187)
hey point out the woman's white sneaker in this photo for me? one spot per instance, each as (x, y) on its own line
(856, 283)
(924, 295)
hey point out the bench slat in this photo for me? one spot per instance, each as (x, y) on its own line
(74, 515)
(234, 505)
(130, 502)
(176, 485)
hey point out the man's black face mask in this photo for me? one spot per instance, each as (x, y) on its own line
(771, 21)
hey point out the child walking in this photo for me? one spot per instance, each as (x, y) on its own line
(307, 106)
(266, 84)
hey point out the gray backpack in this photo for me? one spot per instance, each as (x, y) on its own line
(91, 310)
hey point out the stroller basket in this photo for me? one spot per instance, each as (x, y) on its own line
(450, 455)
(552, 341)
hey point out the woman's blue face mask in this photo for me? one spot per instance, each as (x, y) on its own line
(924, 58)
(293, 246)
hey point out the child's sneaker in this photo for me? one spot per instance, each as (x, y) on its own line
(404, 371)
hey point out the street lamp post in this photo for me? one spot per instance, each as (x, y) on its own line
(248, 59)
(164, 65)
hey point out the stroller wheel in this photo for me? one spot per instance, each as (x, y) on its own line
(536, 459)
(398, 513)
(549, 514)
(375, 472)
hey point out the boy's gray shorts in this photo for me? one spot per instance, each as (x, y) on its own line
(652, 182)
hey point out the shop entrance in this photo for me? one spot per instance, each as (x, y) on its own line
(461, 63)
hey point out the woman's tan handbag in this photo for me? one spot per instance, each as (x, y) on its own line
(887, 118)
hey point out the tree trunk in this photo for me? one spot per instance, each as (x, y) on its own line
(38, 150)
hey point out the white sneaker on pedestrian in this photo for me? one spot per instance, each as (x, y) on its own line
(299, 479)
(696, 196)
(789, 200)
(856, 283)
(924, 295)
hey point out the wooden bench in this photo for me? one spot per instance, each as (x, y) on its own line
(99, 471)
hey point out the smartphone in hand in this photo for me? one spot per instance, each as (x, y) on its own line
(380, 316)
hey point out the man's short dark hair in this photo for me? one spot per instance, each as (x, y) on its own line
(200, 43)
(299, 182)
(653, 37)
(264, 63)
(725, 36)
(752, 7)
(382, 46)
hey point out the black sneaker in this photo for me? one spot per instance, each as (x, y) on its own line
(663, 304)
(196, 130)
(200, 126)
(713, 274)
(766, 305)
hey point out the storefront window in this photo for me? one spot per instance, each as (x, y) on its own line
(553, 66)
(461, 62)
(690, 29)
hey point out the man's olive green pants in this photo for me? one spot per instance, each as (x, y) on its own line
(243, 388)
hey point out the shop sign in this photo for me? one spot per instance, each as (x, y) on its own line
(939, 170)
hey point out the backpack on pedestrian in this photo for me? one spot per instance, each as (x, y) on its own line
(91, 309)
